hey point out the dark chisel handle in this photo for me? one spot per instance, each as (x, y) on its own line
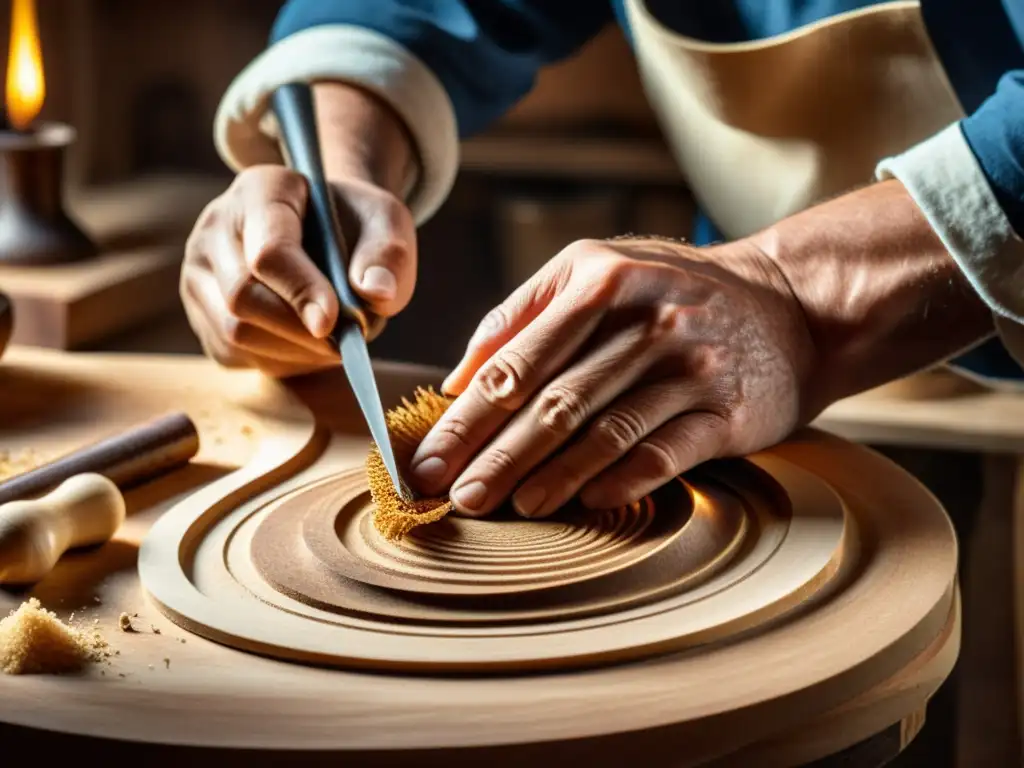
(322, 239)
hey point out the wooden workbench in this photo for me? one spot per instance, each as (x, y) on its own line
(50, 409)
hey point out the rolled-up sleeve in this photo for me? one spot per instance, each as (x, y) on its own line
(448, 68)
(969, 182)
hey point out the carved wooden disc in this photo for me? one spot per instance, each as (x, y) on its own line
(784, 647)
(713, 557)
(503, 554)
(462, 556)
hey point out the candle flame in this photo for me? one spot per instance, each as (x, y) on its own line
(26, 87)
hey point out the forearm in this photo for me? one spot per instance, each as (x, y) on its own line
(362, 137)
(882, 296)
(447, 69)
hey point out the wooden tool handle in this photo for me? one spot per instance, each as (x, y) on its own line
(83, 510)
(323, 238)
(139, 454)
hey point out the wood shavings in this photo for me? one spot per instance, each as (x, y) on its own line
(408, 424)
(34, 641)
(12, 464)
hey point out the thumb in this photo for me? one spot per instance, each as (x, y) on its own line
(273, 204)
(503, 323)
(383, 264)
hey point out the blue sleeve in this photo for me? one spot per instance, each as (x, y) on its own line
(995, 133)
(486, 53)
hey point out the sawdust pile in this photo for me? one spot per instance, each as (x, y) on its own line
(34, 641)
(408, 424)
(12, 464)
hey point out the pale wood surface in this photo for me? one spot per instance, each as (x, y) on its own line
(939, 409)
(678, 708)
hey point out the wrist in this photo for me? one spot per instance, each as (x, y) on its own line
(362, 138)
(882, 296)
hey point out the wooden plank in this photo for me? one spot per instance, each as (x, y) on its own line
(938, 409)
(141, 227)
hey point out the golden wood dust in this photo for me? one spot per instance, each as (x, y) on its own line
(34, 641)
(408, 424)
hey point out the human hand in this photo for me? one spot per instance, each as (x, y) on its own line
(618, 366)
(253, 296)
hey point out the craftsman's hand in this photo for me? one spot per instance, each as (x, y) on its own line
(254, 297)
(252, 294)
(616, 367)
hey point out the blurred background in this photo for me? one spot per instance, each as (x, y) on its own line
(140, 82)
(580, 157)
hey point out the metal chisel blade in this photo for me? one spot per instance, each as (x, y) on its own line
(355, 358)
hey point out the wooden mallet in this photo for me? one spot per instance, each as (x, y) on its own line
(83, 505)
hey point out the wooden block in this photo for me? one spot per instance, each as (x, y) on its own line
(69, 306)
(141, 227)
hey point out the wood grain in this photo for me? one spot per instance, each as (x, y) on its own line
(861, 658)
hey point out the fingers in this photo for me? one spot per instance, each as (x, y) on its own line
(611, 435)
(676, 447)
(561, 408)
(269, 304)
(382, 269)
(250, 301)
(233, 342)
(502, 323)
(274, 203)
(501, 386)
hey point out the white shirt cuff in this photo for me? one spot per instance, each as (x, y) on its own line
(245, 135)
(944, 178)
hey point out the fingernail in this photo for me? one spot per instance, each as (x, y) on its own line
(315, 319)
(431, 470)
(470, 496)
(527, 500)
(380, 282)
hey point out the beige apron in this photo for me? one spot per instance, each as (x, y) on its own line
(767, 128)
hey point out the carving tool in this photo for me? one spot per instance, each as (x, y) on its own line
(138, 454)
(84, 510)
(325, 243)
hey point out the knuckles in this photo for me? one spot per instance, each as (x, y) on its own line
(503, 381)
(454, 427)
(232, 330)
(237, 296)
(500, 462)
(494, 323)
(561, 411)
(617, 431)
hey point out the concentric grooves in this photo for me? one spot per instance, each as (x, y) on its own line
(504, 554)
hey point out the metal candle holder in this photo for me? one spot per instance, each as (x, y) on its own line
(35, 228)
